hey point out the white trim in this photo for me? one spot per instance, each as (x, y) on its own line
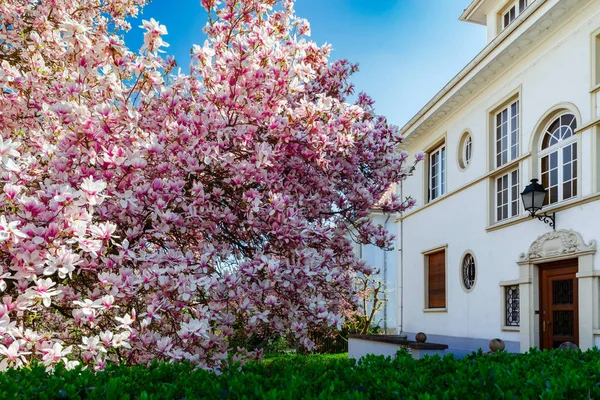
(440, 177)
(503, 286)
(435, 310)
(510, 129)
(510, 198)
(460, 271)
(519, 6)
(557, 148)
(514, 282)
(465, 147)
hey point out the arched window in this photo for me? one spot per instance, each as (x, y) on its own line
(558, 159)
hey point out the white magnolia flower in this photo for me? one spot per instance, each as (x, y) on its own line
(8, 151)
(12, 356)
(42, 291)
(87, 306)
(92, 344)
(125, 321)
(120, 340)
(92, 189)
(10, 228)
(64, 262)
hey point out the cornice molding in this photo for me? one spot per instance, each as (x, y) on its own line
(440, 109)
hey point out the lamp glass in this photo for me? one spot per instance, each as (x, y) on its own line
(538, 199)
(527, 200)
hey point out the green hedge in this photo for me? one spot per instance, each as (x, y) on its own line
(546, 375)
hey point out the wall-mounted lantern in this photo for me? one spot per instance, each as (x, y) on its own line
(533, 198)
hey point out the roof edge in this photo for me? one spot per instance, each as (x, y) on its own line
(469, 11)
(457, 80)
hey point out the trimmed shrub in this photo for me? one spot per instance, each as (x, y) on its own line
(545, 375)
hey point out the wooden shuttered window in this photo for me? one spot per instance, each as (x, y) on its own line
(437, 279)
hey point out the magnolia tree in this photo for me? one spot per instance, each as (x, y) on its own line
(146, 214)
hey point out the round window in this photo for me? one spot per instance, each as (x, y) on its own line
(468, 271)
(465, 149)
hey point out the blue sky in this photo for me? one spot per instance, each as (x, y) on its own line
(407, 49)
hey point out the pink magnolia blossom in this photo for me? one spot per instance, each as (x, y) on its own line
(12, 356)
(42, 291)
(220, 197)
(8, 153)
(9, 229)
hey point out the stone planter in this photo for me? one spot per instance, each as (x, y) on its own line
(389, 345)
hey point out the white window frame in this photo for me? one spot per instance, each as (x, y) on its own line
(512, 123)
(436, 180)
(596, 60)
(558, 148)
(511, 196)
(516, 7)
(468, 150)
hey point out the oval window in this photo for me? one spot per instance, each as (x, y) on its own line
(465, 150)
(468, 271)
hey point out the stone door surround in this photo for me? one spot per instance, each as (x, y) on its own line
(550, 247)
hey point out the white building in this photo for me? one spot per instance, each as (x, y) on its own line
(475, 265)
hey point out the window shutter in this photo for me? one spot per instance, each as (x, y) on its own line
(437, 280)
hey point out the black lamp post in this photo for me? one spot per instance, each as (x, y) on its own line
(533, 200)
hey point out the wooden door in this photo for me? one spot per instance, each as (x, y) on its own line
(559, 319)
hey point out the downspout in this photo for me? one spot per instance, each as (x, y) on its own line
(401, 285)
(385, 280)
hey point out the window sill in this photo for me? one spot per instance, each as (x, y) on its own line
(507, 222)
(563, 205)
(435, 310)
(595, 88)
(512, 164)
(511, 329)
(515, 282)
(439, 198)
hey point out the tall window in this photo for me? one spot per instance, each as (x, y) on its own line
(507, 195)
(516, 8)
(507, 134)
(436, 279)
(437, 172)
(558, 159)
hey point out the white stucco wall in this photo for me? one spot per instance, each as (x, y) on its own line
(556, 72)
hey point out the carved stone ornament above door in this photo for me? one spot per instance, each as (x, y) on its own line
(557, 244)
